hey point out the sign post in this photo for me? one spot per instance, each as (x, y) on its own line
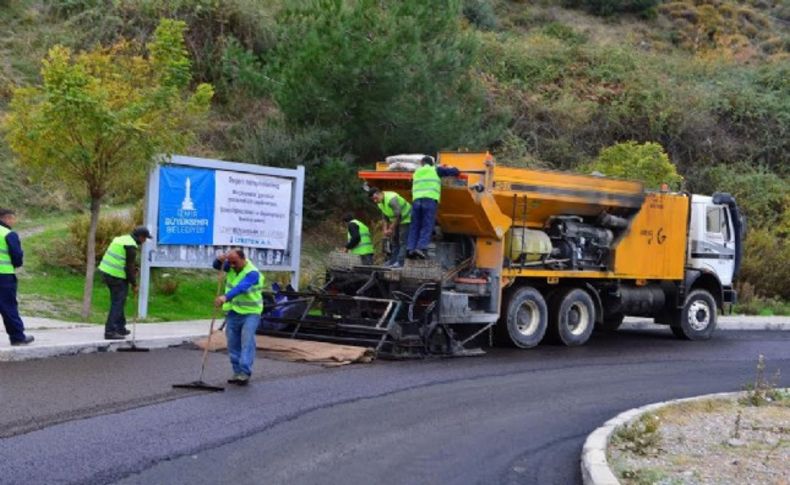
(197, 208)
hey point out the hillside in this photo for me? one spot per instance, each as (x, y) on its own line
(546, 83)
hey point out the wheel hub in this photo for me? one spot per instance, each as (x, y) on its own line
(578, 318)
(528, 318)
(699, 315)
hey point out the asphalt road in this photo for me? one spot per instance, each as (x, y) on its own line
(509, 417)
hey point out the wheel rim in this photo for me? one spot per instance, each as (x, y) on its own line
(698, 315)
(528, 318)
(578, 318)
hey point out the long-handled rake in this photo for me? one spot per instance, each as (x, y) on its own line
(133, 347)
(199, 384)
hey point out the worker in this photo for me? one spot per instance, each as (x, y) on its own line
(397, 216)
(359, 241)
(11, 256)
(119, 272)
(425, 194)
(243, 304)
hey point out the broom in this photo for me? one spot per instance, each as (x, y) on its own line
(199, 384)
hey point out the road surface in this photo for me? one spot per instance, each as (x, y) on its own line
(508, 417)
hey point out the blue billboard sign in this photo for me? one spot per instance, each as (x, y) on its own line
(186, 205)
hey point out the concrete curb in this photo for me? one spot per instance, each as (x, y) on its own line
(727, 322)
(17, 354)
(595, 468)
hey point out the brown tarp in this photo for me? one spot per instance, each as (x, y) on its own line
(326, 354)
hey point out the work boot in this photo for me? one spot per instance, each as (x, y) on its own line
(418, 254)
(239, 379)
(125, 331)
(25, 341)
(114, 336)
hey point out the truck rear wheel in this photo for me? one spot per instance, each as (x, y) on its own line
(697, 319)
(525, 321)
(572, 317)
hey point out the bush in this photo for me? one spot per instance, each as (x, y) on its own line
(766, 263)
(647, 162)
(480, 13)
(406, 85)
(72, 252)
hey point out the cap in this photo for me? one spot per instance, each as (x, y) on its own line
(141, 232)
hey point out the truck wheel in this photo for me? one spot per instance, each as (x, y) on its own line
(525, 322)
(612, 322)
(697, 319)
(572, 316)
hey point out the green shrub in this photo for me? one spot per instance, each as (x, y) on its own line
(72, 251)
(407, 84)
(480, 13)
(646, 162)
(766, 263)
(641, 437)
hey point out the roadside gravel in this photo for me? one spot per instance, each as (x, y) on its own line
(716, 441)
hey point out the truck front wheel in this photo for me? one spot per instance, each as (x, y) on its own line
(572, 315)
(697, 319)
(525, 321)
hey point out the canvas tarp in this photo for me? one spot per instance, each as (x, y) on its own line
(293, 350)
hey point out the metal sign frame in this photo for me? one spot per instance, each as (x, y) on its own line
(152, 219)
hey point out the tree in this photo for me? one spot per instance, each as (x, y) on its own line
(647, 162)
(99, 118)
(390, 75)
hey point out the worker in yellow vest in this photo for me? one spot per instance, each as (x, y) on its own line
(11, 256)
(397, 217)
(426, 191)
(359, 240)
(120, 272)
(243, 304)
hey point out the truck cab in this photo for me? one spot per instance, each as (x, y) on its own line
(715, 244)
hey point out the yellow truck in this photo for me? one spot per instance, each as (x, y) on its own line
(520, 256)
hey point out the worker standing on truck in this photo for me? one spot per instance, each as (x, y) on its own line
(10, 259)
(359, 240)
(119, 272)
(243, 302)
(397, 218)
(426, 192)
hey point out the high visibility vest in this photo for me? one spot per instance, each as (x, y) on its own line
(113, 262)
(386, 209)
(5, 257)
(365, 245)
(426, 184)
(251, 301)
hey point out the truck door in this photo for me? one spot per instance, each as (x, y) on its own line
(718, 246)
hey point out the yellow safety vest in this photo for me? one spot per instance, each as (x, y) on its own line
(386, 209)
(113, 262)
(365, 245)
(6, 267)
(426, 184)
(251, 301)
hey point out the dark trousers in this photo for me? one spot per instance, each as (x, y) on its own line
(119, 289)
(9, 309)
(399, 239)
(423, 216)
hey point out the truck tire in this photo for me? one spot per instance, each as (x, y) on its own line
(525, 320)
(697, 319)
(571, 317)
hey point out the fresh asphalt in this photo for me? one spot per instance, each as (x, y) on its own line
(508, 417)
